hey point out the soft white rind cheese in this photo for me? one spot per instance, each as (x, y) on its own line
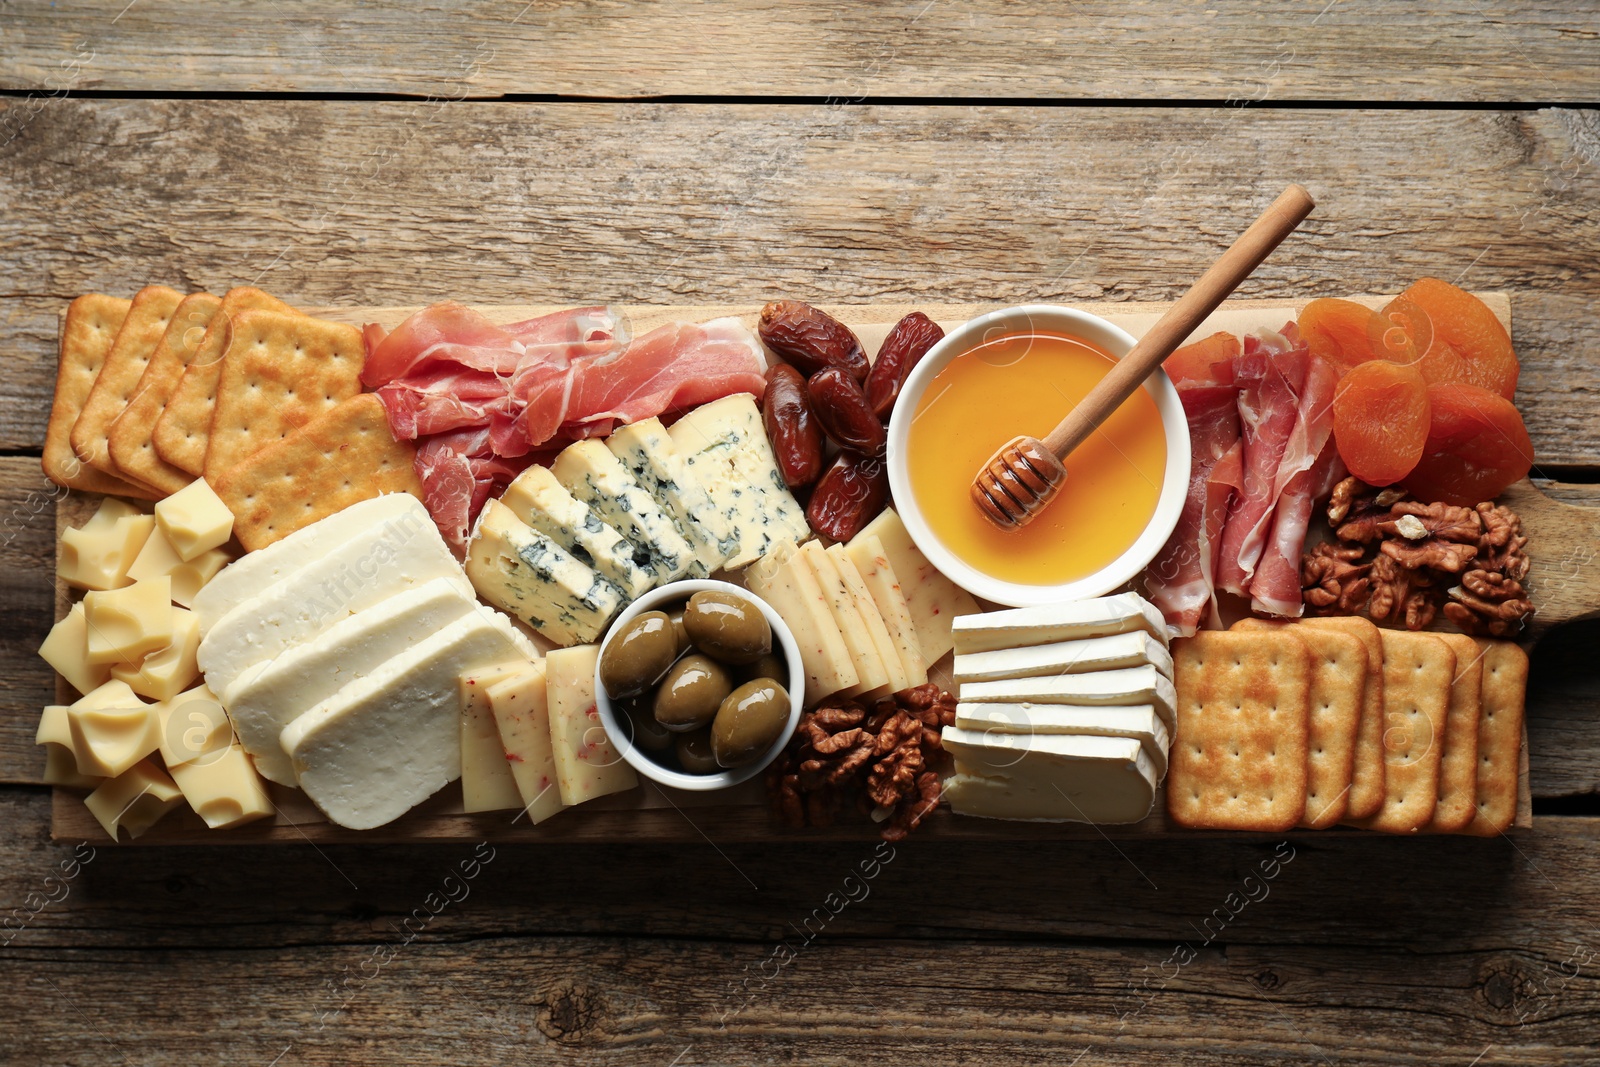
(1141, 722)
(1135, 648)
(1070, 621)
(1050, 778)
(1132, 685)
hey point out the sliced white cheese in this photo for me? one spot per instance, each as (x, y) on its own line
(881, 581)
(648, 453)
(725, 447)
(1070, 621)
(520, 570)
(587, 764)
(1130, 686)
(793, 592)
(400, 514)
(543, 503)
(521, 705)
(1141, 722)
(385, 743)
(373, 565)
(592, 474)
(871, 674)
(1050, 778)
(935, 601)
(1135, 648)
(487, 783)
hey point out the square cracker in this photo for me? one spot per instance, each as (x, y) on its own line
(1238, 757)
(344, 456)
(119, 376)
(182, 431)
(280, 372)
(1458, 763)
(130, 440)
(87, 332)
(1367, 786)
(1504, 696)
(1418, 669)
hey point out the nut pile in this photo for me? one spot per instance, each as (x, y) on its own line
(882, 759)
(1400, 561)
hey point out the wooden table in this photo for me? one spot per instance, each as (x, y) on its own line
(737, 151)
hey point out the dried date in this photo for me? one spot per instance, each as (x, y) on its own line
(844, 414)
(811, 339)
(850, 495)
(791, 426)
(905, 346)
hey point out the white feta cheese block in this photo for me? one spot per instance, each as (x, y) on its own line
(272, 694)
(382, 745)
(592, 474)
(1136, 648)
(587, 764)
(648, 453)
(1070, 621)
(543, 503)
(401, 514)
(520, 570)
(1131, 685)
(725, 447)
(1141, 722)
(1050, 778)
(368, 568)
(934, 600)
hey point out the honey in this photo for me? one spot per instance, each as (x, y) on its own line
(1025, 384)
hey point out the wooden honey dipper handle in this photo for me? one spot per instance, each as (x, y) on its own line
(1180, 320)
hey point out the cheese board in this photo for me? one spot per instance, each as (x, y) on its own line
(1560, 540)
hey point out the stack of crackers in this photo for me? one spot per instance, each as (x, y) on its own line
(1330, 721)
(242, 390)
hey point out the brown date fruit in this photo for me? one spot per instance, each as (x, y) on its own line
(791, 427)
(851, 494)
(844, 414)
(811, 339)
(905, 346)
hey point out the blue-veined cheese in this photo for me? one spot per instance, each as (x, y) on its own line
(648, 453)
(539, 500)
(592, 474)
(520, 570)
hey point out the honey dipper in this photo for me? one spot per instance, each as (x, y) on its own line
(1021, 478)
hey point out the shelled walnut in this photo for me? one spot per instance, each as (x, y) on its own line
(882, 760)
(1403, 561)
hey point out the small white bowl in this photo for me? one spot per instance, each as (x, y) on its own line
(1065, 322)
(622, 737)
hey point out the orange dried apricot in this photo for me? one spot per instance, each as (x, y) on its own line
(1477, 445)
(1380, 420)
(1459, 338)
(1201, 361)
(1339, 331)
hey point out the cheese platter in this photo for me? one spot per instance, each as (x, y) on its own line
(615, 483)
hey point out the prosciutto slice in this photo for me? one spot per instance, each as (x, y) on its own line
(459, 473)
(454, 334)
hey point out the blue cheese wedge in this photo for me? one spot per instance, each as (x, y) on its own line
(648, 453)
(592, 474)
(539, 500)
(520, 570)
(725, 448)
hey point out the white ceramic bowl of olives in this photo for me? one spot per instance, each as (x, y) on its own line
(699, 685)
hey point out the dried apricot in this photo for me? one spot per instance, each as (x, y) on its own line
(1460, 339)
(1340, 331)
(1380, 420)
(1477, 445)
(1207, 362)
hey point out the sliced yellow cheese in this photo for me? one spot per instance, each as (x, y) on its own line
(881, 581)
(166, 672)
(158, 558)
(194, 520)
(794, 594)
(486, 780)
(935, 601)
(871, 674)
(866, 610)
(521, 705)
(67, 650)
(587, 763)
(134, 800)
(224, 788)
(98, 554)
(124, 625)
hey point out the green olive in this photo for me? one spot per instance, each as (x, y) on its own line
(647, 734)
(691, 693)
(637, 655)
(769, 666)
(694, 753)
(749, 721)
(727, 627)
(679, 630)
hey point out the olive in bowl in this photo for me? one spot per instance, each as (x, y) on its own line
(744, 684)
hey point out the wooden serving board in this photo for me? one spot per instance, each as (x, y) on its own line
(1561, 540)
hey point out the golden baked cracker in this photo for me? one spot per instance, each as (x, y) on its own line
(1238, 758)
(1458, 763)
(342, 457)
(185, 423)
(87, 332)
(1504, 697)
(1367, 786)
(124, 364)
(279, 373)
(1417, 671)
(131, 438)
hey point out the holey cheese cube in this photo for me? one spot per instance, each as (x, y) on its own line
(543, 503)
(123, 625)
(648, 453)
(587, 764)
(97, 555)
(520, 570)
(67, 650)
(592, 474)
(194, 520)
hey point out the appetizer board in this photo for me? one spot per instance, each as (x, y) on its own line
(1560, 538)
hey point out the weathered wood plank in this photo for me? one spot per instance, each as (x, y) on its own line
(1259, 51)
(399, 203)
(943, 953)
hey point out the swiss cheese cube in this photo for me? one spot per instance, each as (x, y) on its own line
(587, 763)
(521, 706)
(108, 738)
(871, 674)
(124, 625)
(60, 764)
(194, 520)
(98, 555)
(134, 800)
(487, 783)
(166, 672)
(66, 648)
(223, 788)
(158, 558)
(783, 581)
(934, 600)
(193, 725)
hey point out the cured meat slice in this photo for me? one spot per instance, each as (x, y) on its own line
(442, 399)
(459, 474)
(455, 334)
